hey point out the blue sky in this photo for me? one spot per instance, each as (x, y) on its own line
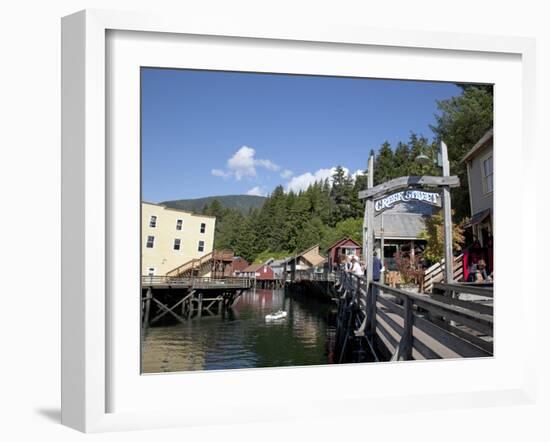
(219, 133)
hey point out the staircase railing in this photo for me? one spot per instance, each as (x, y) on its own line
(436, 273)
(195, 263)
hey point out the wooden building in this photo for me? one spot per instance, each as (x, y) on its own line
(304, 262)
(260, 272)
(479, 229)
(278, 266)
(238, 265)
(400, 230)
(345, 246)
(171, 238)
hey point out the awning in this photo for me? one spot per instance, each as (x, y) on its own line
(479, 217)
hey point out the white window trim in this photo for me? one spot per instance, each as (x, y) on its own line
(156, 221)
(482, 160)
(181, 227)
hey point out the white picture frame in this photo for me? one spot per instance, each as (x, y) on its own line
(87, 355)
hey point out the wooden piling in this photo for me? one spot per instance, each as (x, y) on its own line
(147, 312)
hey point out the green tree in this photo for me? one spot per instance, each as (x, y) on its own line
(351, 227)
(357, 205)
(419, 145)
(401, 159)
(384, 165)
(341, 195)
(435, 237)
(460, 123)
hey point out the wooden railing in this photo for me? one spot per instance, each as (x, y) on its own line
(195, 263)
(399, 325)
(436, 273)
(316, 276)
(195, 282)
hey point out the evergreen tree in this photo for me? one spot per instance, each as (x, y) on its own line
(419, 145)
(357, 205)
(298, 217)
(401, 158)
(461, 122)
(342, 188)
(384, 168)
(215, 209)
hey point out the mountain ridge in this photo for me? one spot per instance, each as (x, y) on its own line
(243, 203)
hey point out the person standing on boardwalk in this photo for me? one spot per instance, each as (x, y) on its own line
(348, 264)
(376, 267)
(355, 266)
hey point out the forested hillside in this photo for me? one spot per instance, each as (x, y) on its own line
(243, 203)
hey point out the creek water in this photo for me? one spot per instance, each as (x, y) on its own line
(242, 338)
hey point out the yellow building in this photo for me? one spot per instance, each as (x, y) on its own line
(172, 237)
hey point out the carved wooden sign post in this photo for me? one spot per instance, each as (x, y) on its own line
(423, 189)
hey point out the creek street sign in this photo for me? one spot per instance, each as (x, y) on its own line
(404, 196)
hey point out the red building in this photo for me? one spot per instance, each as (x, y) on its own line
(238, 265)
(345, 246)
(259, 272)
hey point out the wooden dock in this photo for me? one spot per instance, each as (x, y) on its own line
(181, 299)
(319, 285)
(394, 324)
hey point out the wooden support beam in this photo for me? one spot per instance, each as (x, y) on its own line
(374, 295)
(447, 217)
(409, 181)
(406, 343)
(148, 297)
(167, 310)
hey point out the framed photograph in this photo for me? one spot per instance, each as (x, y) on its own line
(261, 218)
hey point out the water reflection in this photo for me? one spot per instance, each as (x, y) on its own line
(243, 339)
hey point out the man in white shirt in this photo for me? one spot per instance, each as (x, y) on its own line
(355, 266)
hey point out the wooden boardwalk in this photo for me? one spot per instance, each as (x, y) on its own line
(182, 299)
(394, 324)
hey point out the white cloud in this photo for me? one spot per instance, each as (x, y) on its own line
(219, 172)
(258, 191)
(357, 173)
(286, 174)
(268, 164)
(243, 164)
(302, 182)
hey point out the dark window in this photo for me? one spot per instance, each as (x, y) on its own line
(153, 221)
(201, 246)
(179, 224)
(203, 227)
(177, 244)
(150, 242)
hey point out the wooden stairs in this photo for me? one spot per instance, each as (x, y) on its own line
(214, 262)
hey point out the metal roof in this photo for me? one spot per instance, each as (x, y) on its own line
(404, 220)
